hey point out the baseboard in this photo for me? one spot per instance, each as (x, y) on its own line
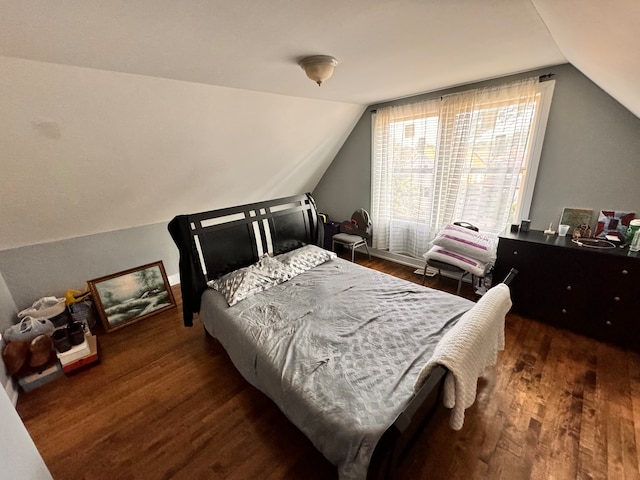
(416, 263)
(394, 257)
(12, 391)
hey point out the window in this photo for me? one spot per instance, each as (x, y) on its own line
(469, 156)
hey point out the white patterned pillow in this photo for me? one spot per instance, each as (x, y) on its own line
(467, 242)
(304, 258)
(476, 267)
(244, 282)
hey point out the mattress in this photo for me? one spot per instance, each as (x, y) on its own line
(338, 348)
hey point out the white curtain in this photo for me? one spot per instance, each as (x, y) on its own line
(462, 157)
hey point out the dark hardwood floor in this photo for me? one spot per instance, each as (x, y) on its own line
(166, 402)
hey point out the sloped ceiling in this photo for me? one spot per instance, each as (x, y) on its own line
(386, 49)
(116, 114)
(602, 40)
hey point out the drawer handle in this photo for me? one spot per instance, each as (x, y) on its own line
(624, 272)
(569, 287)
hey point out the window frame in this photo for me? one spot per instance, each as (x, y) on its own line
(530, 170)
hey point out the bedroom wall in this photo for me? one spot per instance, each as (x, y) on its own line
(51, 268)
(590, 157)
(19, 456)
(87, 151)
(95, 163)
(8, 312)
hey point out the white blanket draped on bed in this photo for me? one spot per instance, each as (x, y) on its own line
(467, 349)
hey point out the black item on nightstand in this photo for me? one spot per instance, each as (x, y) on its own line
(330, 229)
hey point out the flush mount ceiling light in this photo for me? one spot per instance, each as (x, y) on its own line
(318, 67)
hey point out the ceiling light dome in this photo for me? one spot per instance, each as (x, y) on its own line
(318, 67)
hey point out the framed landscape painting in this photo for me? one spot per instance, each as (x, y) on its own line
(132, 295)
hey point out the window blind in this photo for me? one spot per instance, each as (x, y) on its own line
(467, 156)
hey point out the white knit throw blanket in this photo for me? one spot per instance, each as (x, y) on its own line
(467, 349)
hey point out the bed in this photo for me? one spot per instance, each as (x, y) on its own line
(355, 358)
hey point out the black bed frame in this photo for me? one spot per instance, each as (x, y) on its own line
(219, 241)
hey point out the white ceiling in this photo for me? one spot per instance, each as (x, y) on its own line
(386, 49)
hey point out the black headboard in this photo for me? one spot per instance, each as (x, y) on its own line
(219, 241)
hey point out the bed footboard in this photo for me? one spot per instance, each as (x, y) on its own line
(396, 442)
(398, 439)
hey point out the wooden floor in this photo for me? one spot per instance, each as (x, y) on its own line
(166, 402)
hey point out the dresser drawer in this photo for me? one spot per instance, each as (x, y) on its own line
(592, 292)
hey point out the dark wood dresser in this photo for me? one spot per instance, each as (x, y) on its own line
(595, 292)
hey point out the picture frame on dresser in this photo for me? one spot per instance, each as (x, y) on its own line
(131, 295)
(576, 217)
(613, 223)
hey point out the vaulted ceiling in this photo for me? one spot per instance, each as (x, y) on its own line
(386, 49)
(241, 58)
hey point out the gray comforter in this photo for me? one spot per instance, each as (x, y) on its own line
(338, 348)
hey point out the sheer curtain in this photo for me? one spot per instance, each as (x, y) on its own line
(460, 157)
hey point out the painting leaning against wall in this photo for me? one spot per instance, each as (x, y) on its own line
(131, 295)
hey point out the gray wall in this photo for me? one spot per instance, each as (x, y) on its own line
(590, 157)
(36, 271)
(19, 456)
(8, 312)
